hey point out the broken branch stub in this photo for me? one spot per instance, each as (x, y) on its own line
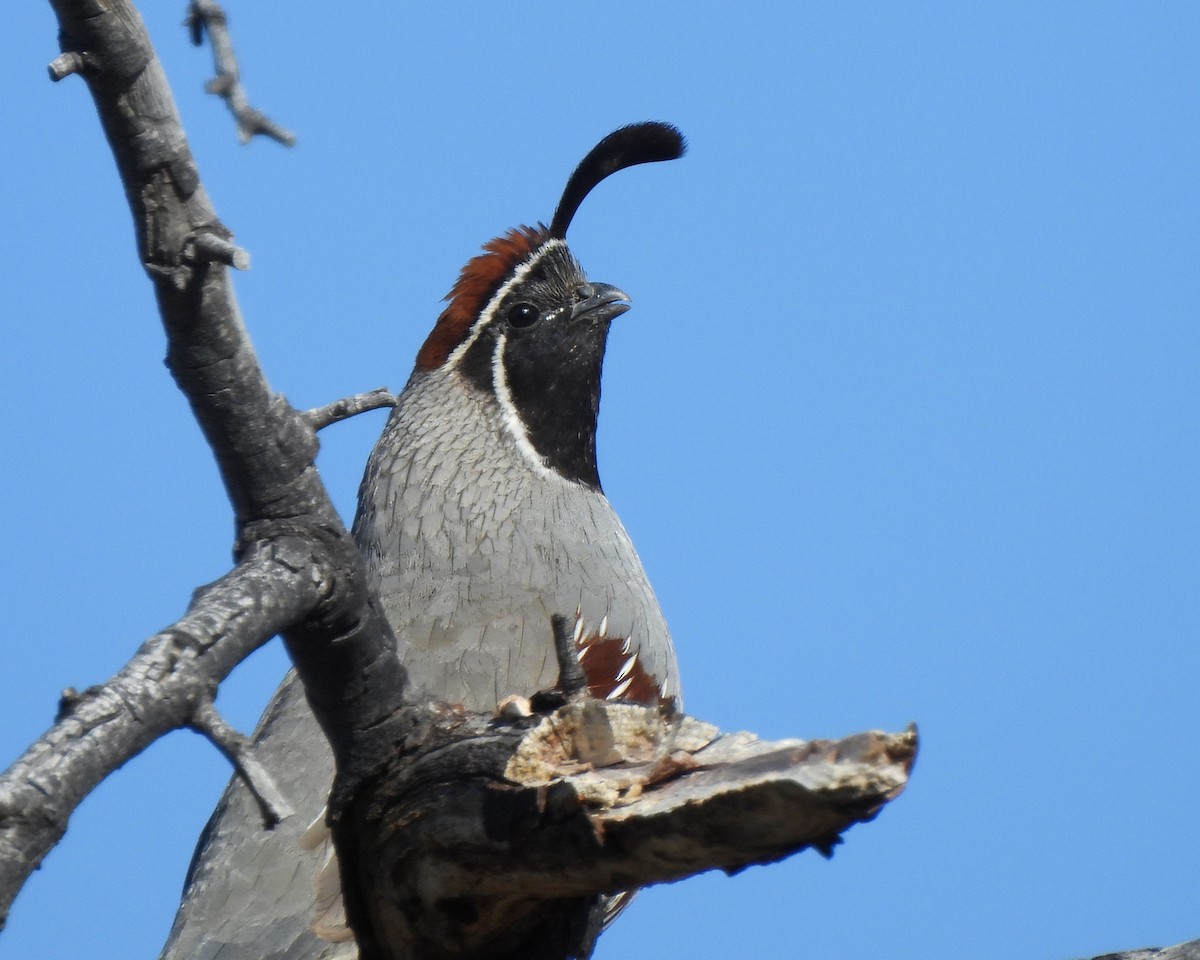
(491, 834)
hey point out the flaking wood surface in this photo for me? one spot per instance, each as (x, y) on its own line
(496, 830)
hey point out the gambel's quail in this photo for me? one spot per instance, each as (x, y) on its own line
(481, 516)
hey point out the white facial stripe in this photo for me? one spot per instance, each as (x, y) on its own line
(508, 411)
(485, 317)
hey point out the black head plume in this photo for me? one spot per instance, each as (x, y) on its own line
(626, 147)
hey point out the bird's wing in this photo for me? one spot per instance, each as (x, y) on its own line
(249, 893)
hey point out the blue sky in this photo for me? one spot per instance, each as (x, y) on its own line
(903, 421)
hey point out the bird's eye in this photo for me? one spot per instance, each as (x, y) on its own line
(523, 315)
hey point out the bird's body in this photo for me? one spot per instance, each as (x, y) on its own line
(481, 517)
(473, 550)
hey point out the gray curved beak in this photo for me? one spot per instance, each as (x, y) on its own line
(599, 301)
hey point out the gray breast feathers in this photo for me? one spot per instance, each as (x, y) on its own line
(474, 548)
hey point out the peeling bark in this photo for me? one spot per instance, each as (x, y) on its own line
(485, 838)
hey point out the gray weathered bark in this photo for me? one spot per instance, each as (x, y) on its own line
(298, 570)
(473, 845)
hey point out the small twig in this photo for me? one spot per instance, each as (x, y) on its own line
(572, 686)
(572, 681)
(239, 751)
(215, 249)
(347, 407)
(207, 16)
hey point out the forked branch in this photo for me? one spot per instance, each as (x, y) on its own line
(159, 690)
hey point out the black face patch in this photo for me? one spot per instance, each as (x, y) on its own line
(552, 362)
(552, 371)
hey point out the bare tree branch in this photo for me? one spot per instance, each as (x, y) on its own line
(159, 690)
(207, 16)
(482, 840)
(263, 447)
(298, 566)
(321, 417)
